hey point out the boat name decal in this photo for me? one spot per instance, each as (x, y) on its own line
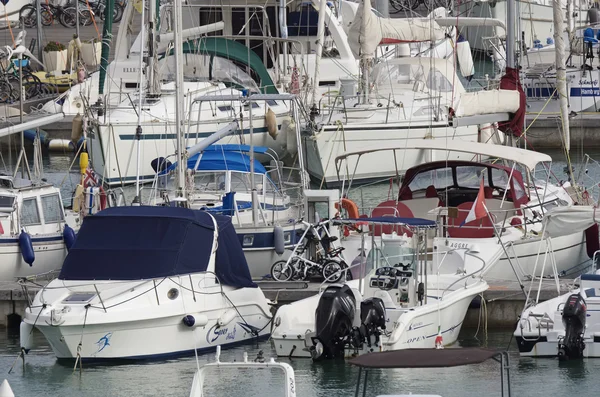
(588, 82)
(217, 332)
(458, 245)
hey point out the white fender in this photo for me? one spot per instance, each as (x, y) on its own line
(465, 58)
(26, 337)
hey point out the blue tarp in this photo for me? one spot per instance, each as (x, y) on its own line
(222, 161)
(411, 222)
(136, 243)
(236, 148)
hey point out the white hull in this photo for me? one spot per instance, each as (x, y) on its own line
(415, 328)
(112, 142)
(568, 251)
(150, 326)
(584, 92)
(541, 327)
(50, 252)
(322, 149)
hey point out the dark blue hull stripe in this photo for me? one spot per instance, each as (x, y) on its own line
(34, 240)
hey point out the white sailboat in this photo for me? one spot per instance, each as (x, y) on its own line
(515, 200)
(400, 101)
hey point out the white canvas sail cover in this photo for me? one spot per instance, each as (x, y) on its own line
(487, 102)
(563, 221)
(365, 35)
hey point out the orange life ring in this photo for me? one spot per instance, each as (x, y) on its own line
(350, 207)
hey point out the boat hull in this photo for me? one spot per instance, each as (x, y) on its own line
(50, 252)
(415, 328)
(323, 148)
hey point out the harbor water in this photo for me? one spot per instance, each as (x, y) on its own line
(42, 375)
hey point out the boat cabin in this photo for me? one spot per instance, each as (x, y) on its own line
(455, 185)
(37, 209)
(222, 180)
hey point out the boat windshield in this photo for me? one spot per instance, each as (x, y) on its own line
(441, 178)
(210, 181)
(7, 203)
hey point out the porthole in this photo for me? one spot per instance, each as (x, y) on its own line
(173, 293)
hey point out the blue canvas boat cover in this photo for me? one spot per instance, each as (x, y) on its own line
(214, 160)
(137, 243)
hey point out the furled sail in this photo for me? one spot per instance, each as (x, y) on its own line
(365, 35)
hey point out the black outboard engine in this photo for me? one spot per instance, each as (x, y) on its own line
(372, 323)
(573, 318)
(334, 319)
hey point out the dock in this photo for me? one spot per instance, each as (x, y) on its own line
(501, 305)
(545, 131)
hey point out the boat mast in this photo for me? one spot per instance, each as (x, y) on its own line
(365, 59)
(153, 75)
(511, 21)
(106, 41)
(319, 50)
(561, 72)
(179, 109)
(138, 130)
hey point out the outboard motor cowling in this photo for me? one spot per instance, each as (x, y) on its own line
(573, 318)
(334, 320)
(372, 321)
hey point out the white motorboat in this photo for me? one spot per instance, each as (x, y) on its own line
(139, 275)
(34, 228)
(403, 302)
(253, 369)
(515, 202)
(567, 326)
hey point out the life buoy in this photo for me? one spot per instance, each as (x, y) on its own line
(350, 207)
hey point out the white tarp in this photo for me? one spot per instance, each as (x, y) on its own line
(562, 221)
(365, 39)
(486, 102)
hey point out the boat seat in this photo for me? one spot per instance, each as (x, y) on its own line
(393, 209)
(431, 192)
(479, 228)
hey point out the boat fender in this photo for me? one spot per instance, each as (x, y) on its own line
(199, 320)
(76, 128)
(291, 141)
(226, 317)
(69, 236)
(278, 240)
(26, 336)
(271, 121)
(26, 248)
(5, 390)
(60, 145)
(465, 59)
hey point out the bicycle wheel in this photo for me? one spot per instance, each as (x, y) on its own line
(282, 271)
(6, 94)
(47, 17)
(28, 16)
(332, 271)
(118, 12)
(67, 18)
(85, 17)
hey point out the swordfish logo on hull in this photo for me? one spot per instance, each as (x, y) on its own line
(103, 342)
